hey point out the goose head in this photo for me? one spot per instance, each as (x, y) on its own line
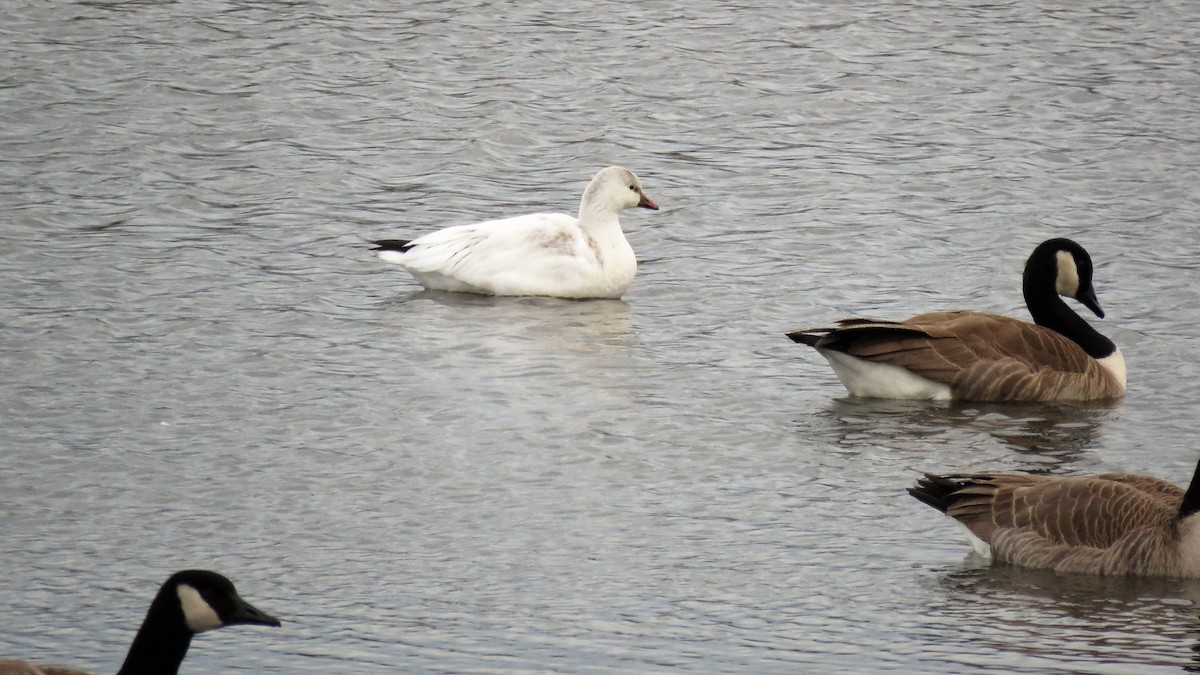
(615, 189)
(208, 600)
(189, 602)
(1064, 265)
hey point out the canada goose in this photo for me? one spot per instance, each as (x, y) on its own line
(977, 356)
(190, 602)
(1110, 524)
(550, 254)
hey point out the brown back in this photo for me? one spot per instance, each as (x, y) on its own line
(1108, 524)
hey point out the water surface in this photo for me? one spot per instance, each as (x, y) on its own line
(204, 366)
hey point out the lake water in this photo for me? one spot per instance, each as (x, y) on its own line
(204, 366)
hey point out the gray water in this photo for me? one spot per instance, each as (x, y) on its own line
(204, 366)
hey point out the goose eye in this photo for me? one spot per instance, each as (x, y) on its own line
(633, 187)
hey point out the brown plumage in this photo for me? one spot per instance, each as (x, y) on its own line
(977, 356)
(1107, 524)
(24, 668)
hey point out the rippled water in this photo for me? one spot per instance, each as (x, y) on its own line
(203, 365)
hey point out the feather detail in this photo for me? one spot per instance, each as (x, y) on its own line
(1107, 524)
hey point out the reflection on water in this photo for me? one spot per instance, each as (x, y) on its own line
(1048, 437)
(544, 323)
(1081, 595)
(1140, 623)
(517, 340)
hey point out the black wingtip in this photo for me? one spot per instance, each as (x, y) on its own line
(805, 337)
(401, 245)
(935, 491)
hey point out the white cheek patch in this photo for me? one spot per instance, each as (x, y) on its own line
(198, 614)
(1068, 275)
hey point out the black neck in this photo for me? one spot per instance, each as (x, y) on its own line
(1191, 498)
(161, 642)
(1048, 309)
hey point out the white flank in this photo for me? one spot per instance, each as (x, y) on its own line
(1189, 545)
(981, 547)
(880, 380)
(1115, 363)
(198, 614)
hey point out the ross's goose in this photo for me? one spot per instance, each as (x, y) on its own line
(551, 254)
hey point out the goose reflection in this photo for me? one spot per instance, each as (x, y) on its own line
(1025, 614)
(581, 326)
(505, 348)
(1079, 595)
(1052, 435)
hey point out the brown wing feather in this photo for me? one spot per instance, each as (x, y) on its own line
(10, 667)
(1107, 524)
(25, 668)
(1145, 551)
(1169, 493)
(981, 356)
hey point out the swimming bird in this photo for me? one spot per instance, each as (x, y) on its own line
(978, 356)
(189, 602)
(1115, 524)
(551, 254)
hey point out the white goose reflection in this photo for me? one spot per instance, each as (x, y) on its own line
(547, 352)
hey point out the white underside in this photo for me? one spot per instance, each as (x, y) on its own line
(880, 380)
(1115, 363)
(981, 547)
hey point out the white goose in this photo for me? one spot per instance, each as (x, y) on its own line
(550, 254)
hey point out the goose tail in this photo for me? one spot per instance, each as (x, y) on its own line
(940, 492)
(808, 336)
(398, 245)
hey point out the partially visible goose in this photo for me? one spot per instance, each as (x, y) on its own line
(1109, 524)
(189, 602)
(977, 356)
(550, 254)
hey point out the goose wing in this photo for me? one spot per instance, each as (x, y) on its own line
(1169, 494)
(1108, 524)
(528, 252)
(493, 244)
